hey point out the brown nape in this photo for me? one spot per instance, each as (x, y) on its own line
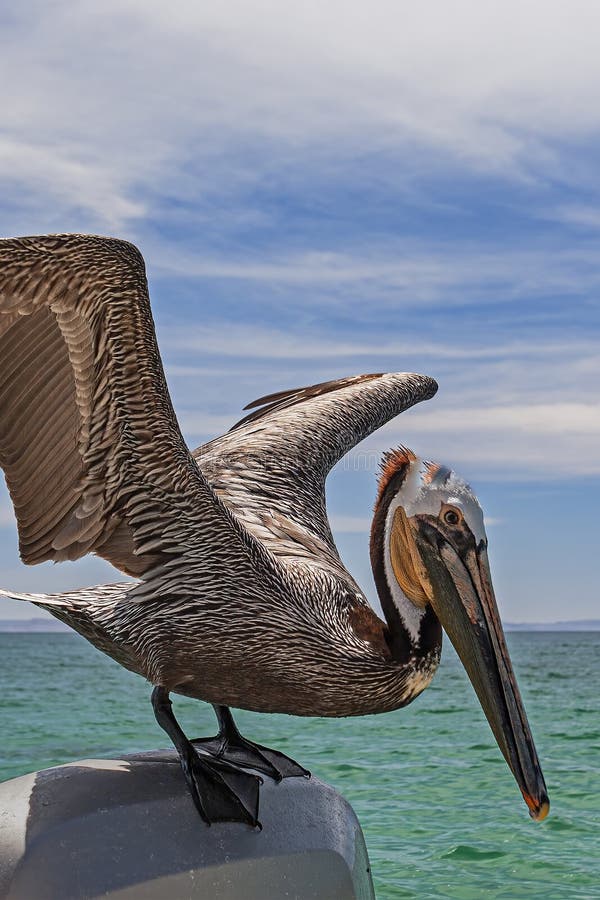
(394, 468)
(393, 462)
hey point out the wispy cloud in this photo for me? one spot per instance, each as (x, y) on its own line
(494, 413)
(537, 442)
(323, 189)
(251, 342)
(588, 217)
(350, 524)
(397, 275)
(46, 173)
(111, 101)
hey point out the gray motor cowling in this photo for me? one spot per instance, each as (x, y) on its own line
(127, 828)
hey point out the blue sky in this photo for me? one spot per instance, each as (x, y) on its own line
(341, 188)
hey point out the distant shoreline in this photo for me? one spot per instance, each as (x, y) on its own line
(53, 626)
(33, 626)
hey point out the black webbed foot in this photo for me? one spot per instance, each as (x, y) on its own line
(231, 746)
(220, 791)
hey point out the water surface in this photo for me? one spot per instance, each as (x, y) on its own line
(441, 813)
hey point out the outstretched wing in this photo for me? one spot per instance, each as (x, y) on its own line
(270, 469)
(89, 442)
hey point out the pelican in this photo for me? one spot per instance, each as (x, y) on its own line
(241, 598)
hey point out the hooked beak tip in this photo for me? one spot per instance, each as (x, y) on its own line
(538, 809)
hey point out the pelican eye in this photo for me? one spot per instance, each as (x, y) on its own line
(452, 516)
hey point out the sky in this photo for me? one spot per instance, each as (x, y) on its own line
(321, 190)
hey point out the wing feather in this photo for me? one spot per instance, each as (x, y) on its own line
(284, 399)
(92, 452)
(270, 469)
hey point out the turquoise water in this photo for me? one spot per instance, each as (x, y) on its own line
(440, 810)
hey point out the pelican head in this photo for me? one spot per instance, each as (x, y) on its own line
(435, 563)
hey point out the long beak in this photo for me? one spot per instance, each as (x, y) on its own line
(464, 602)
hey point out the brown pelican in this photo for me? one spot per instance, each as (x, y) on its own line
(242, 599)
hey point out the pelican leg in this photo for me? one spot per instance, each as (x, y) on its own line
(220, 791)
(231, 746)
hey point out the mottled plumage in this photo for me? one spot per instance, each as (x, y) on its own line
(242, 598)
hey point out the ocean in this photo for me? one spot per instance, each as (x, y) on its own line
(441, 813)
